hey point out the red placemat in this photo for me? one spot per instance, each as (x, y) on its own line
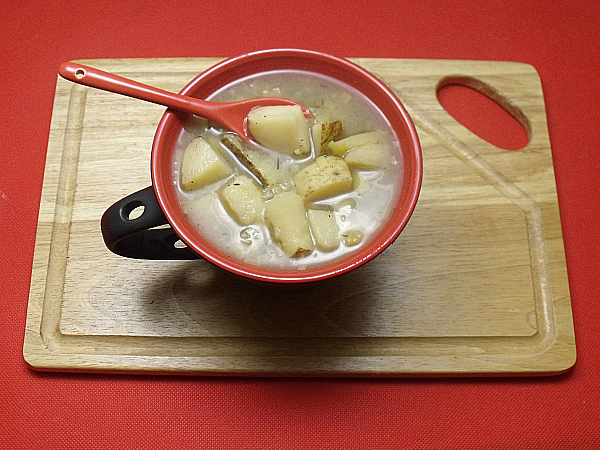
(107, 411)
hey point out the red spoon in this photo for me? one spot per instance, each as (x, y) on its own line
(231, 115)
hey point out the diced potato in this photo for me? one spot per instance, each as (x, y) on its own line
(282, 128)
(369, 156)
(202, 211)
(202, 165)
(243, 200)
(338, 148)
(329, 131)
(324, 229)
(286, 217)
(262, 165)
(317, 133)
(201, 207)
(326, 177)
(351, 238)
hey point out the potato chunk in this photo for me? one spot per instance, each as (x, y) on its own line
(286, 217)
(261, 164)
(326, 177)
(243, 200)
(351, 238)
(325, 132)
(324, 229)
(202, 165)
(338, 148)
(317, 136)
(282, 128)
(369, 156)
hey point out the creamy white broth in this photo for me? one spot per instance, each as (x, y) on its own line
(364, 209)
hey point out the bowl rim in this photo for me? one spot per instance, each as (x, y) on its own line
(315, 61)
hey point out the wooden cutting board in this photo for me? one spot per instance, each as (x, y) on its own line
(476, 284)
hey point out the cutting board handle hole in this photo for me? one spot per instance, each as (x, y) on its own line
(485, 112)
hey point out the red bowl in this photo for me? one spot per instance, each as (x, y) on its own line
(222, 74)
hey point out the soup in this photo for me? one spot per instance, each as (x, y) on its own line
(351, 149)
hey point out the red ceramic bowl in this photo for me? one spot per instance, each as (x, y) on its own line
(224, 73)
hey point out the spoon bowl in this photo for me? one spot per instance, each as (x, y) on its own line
(231, 115)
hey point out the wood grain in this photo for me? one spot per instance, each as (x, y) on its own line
(476, 284)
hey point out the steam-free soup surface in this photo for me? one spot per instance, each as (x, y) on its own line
(355, 216)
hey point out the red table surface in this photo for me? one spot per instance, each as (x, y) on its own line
(44, 410)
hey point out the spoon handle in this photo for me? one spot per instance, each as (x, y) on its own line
(99, 79)
(232, 116)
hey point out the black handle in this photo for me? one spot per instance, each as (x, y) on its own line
(139, 237)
